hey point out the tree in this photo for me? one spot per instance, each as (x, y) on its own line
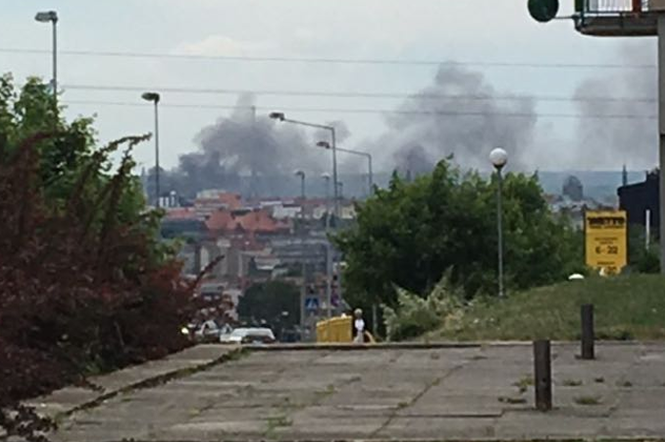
(85, 283)
(268, 302)
(409, 234)
(639, 258)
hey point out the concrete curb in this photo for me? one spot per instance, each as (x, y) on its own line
(152, 381)
(370, 439)
(228, 354)
(427, 346)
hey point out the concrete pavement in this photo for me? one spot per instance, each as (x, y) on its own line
(473, 393)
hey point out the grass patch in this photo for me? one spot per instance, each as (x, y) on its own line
(627, 307)
(276, 422)
(624, 384)
(322, 394)
(572, 383)
(588, 400)
(524, 383)
(279, 422)
(599, 380)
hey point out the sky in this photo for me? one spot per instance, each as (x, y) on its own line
(495, 39)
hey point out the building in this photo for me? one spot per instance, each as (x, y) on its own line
(259, 240)
(573, 188)
(637, 198)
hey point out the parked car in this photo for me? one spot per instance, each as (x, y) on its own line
(208, 331)
(251, 336)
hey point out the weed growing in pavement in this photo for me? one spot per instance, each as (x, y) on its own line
(588, 400)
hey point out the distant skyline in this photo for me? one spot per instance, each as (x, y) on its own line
(496, 40)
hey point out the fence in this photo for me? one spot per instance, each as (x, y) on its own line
(611, 6)
(335, 330)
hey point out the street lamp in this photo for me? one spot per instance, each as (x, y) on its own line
(499, 158)
(303, 290)
(326, 178)
(52, 17)
(280, 116)
(154, 98)
(326, 145)
(277, 116)
(301, 174)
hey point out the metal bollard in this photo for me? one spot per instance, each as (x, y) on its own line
(542, 357)
(588, 335)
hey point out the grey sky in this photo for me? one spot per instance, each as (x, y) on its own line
(491, 31)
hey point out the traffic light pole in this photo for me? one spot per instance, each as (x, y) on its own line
(661, 133)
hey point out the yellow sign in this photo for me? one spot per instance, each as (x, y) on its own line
(606, 236)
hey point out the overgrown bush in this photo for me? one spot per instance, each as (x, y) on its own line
(415, 315)
(85, 284)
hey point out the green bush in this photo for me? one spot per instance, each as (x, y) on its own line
(408, 234)
(415, 315)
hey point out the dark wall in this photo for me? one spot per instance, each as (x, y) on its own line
(635, 199)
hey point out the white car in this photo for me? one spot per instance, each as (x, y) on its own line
(250, 336)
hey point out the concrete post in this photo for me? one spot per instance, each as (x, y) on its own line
(588, 335)
(542, 357)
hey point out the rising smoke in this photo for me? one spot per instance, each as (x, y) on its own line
(458, 115)
(609, 142)
(242, 150)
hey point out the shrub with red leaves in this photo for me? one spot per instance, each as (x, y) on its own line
(75, 296)
(85, 284)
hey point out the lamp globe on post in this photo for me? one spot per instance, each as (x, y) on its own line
(499, 159)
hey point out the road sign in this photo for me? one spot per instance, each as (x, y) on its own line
(543, 10)
(606, 235)
(312, 304)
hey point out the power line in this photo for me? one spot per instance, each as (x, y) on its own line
(372, 111)
(374, 95)
(358, 61)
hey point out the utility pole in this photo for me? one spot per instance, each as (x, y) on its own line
(661, 129)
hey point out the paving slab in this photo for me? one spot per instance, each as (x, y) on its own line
(481, 392)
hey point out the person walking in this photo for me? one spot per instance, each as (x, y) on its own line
(358, 327)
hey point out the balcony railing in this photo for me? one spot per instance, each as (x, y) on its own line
(615, 18)
(611, 6)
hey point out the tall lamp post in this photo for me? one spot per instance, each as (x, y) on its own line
(154, 98)
(301, 174)
(326, 178)
(499, 159)
(303, 291)
(280, 116)
(52, 17)
(326, 145)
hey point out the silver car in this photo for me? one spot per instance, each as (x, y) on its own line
(251, 336)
